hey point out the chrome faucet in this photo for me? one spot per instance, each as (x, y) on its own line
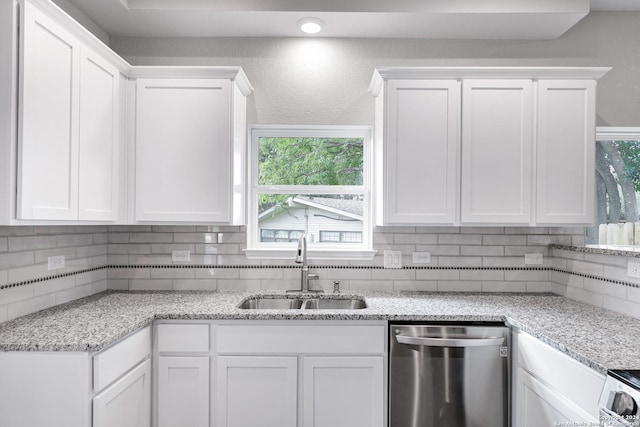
(301, 258)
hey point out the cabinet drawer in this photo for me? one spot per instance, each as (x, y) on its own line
(300, 339)
(112, 363)
(577, 382)
(183, 338)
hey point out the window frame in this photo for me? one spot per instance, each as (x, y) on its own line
(274, 250)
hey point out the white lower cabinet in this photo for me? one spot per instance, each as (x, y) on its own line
(343, 392)
(183, 391)
(257, 391)
(127, 403)
(551, 388)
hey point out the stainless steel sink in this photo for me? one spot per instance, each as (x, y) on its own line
(283, 303)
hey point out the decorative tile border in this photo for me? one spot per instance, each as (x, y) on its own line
(348, 267)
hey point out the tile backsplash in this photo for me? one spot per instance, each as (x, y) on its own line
(481, 259)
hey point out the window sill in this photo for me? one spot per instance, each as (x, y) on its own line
(312, 254)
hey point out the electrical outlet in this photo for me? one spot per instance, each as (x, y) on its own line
(422, 257)
(534, 258)
(633, 269)
(55, 262)
(392, 259)
(181, 256)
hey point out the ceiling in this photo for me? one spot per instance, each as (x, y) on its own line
(436, 19)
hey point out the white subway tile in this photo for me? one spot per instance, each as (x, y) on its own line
(129, 229)
(128, 249)
(150, 259)
(459, 286)
(173, 228)
(100, 286)
(26, 243)
(17, 231)
(261, 273)
(31, 305)
(74, 293)
(232, 238)
(585, 267)
(445, 261)
(167, 248)
(481, 275)
(421, 239)
(173, 273)
(503, 286)
(393, 274)
(527, 275)
(618, 273)
(214, 249)
(617, 261)
(151, 237)
(284, 284)
(415, 285)
(503, 261)
(544, 287)
(195, 285)
(29, 273)
(100, 238)
(150, 285)
(447, 250)
(348, 274)
(201, 260)
(217, 273)
(41, 256)
(521, 250)
(229, 259)
(566, 230)
(54, 285)
(91, 277)
(203, 238)
(118, 238)
(526, 230)
(459, 239)
(371, 285)
(220, 229)
(91, 251)
(4, 277)
(3, 313)
(18, 293)
(438, 230)
(482, 230)
(238, 285)
(118, 284)
(578, 240)
(65, 240)
(511, 240)
(605, 288)
(118, 259)
(129, 273)
(482, 250)
(430, 275)
(558, 289)
(585, 296)
(567, 279)
(633, 294)
(4, 246)
(630, 308)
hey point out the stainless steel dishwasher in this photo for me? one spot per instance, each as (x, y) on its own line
(449, 375)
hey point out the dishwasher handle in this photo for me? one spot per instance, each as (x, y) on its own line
(450, 342)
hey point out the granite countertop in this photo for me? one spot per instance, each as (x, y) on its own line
(598, 338)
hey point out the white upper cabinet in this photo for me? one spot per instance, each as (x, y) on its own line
(420, 157)
(497, 140)
(515, 146)
(565, 151)
(99, 138)
(187, 135)
(68, 133)
(48, 119)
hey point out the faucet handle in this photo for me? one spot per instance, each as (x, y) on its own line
(336, 286)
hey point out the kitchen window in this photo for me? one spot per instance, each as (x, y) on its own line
(617, 219)
(313, 180)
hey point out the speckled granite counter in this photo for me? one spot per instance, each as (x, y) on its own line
(599, 338)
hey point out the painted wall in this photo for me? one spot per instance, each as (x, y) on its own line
(325, 81)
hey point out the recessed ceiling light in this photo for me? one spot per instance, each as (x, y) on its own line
(311, 25)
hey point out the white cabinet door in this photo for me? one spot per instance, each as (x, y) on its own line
(183, 391)
(99, 138)
(126, 403)
(421, 152)
(497, 141)
(183, 150)
(565, 152)
(343, 392)
(256, 391)
(48, 117)
(540, 406)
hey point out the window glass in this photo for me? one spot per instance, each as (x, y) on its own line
(311, 180)
(617, 190)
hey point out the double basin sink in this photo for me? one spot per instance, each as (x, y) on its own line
(302, 302)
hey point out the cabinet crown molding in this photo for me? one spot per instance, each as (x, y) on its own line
(381, 74)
